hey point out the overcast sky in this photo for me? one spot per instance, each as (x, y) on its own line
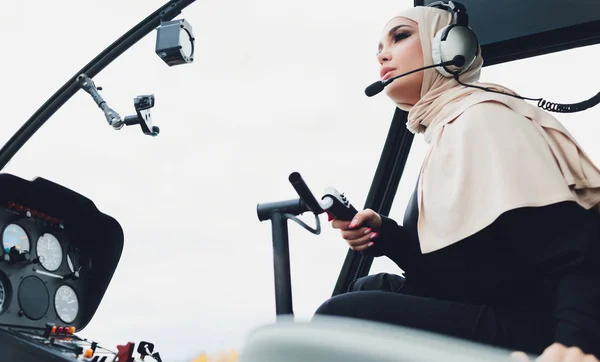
(276, 87)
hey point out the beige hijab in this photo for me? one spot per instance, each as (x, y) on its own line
(488, 153)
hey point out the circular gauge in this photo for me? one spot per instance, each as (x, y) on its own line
(2, 295)
(78, 261)
(33, 297)
(49, 251)
(73, 266)
(66, 304)
(74, 260)
(14, 235)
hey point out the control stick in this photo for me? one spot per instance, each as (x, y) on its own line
(334, 203)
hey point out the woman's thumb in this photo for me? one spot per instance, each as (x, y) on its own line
(362, 218)
(357, 220)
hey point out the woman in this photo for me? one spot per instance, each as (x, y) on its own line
(500, 242)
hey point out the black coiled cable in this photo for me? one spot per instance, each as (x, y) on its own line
(544, 104)
(569, 108)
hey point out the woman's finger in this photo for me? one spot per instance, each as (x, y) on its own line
(590, 358)
(355, 234)
(363, 247)
(340, 224)
(573, 354)
(365, 239)
(519, 356)
(554, 353)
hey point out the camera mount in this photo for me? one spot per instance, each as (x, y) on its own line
(142, 105)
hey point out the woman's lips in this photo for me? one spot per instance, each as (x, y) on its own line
(387, 75)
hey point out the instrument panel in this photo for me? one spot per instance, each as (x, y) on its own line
(43, 267)
(57, 254)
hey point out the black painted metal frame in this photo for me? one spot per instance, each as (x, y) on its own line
(165, 13)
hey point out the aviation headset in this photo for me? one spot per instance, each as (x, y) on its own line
(458, 41)
(455, 39)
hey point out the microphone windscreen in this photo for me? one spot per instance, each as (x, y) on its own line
(374, 89)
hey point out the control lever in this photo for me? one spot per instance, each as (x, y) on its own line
(147, 349)
(304, 192)
(337, 206)
(125, 352)
(334, 203)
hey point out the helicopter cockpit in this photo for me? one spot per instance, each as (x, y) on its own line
(162, 198)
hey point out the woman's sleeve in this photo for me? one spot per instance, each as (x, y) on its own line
(574, 264)
(562, 242)
(577, 311)
(395, 243)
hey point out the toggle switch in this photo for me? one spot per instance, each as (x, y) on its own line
(49, 329)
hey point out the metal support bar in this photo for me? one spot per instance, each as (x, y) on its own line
(381, 194)
(281, 263)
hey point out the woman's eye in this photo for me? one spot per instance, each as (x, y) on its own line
(396, 39)
(400, 36)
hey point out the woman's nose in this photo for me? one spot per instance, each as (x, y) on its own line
(384, 56)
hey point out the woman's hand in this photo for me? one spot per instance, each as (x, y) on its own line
(360, 232)
(557, 353)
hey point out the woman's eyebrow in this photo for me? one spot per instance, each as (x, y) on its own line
(391, 34)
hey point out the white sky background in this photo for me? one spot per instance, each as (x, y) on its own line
(276, 87)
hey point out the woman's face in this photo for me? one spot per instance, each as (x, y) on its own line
(399, 52)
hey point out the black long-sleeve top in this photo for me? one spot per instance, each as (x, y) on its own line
(532, 259)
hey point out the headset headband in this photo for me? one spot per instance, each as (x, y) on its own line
(455, 39)
(458, 10)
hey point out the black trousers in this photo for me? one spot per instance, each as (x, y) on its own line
(386, 298)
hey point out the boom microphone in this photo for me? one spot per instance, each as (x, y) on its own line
(378, 86)
(459, 61)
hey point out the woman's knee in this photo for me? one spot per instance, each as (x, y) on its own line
(327, 308)
(379, 282)
(340, 305)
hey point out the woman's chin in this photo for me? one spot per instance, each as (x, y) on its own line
(402, 102)
(396, 93)
(405, 90)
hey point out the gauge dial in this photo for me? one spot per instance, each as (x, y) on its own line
(2, 295)
(78, 262)
(49, 251)
(73, 262)
(66, 304)
(14, 235)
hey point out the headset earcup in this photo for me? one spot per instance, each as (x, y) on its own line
(436, 52)
(458, 40)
